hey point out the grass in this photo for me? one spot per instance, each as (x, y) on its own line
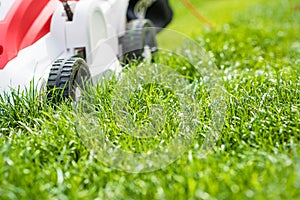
(257, 155)
(217, 12)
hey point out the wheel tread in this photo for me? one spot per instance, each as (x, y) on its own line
(62, 72)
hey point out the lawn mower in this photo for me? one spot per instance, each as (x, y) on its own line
(64, 44)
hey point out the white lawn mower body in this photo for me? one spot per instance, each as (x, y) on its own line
(93, 23)
(62, 44)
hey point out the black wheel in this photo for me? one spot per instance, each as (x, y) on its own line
(139, 39)
(66, 79)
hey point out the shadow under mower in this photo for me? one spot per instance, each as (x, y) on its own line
(61, 45)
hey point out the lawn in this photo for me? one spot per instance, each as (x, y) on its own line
(52, 151)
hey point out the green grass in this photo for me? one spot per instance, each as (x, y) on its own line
(257, 155)
(217, 12)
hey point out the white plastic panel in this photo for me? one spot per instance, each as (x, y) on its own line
(5, 6)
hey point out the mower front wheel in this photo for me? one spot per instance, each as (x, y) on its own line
(67, 78)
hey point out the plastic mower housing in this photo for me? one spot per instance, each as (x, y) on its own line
(63, 44)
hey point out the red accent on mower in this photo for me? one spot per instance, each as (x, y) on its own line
(25, 23)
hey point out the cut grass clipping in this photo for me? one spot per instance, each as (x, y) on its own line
(257, 155)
